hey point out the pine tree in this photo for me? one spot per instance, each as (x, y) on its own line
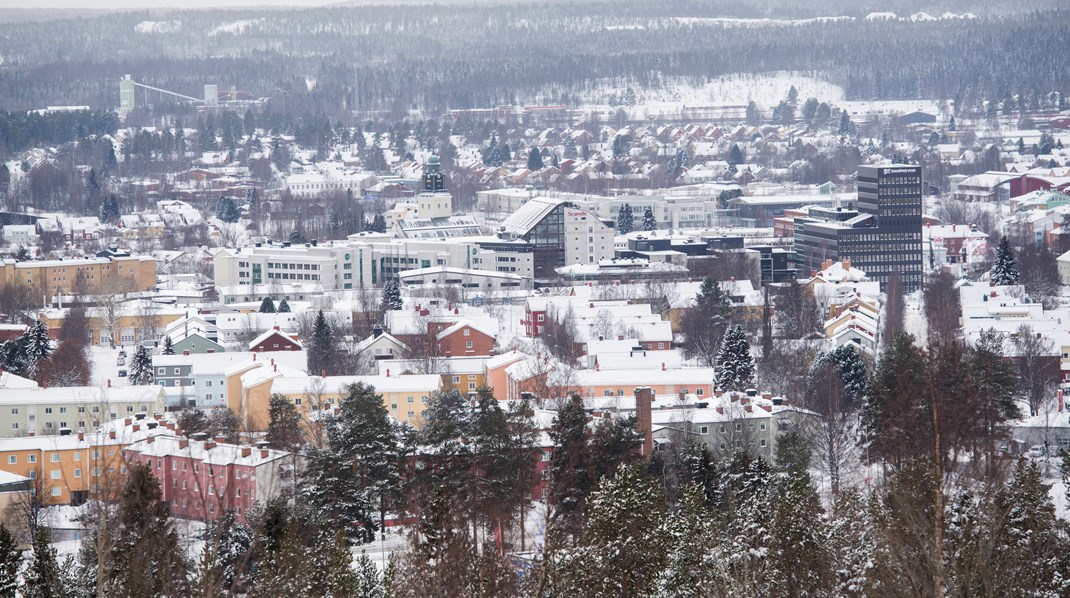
(571, 480)
(146, 560)
(534, 159)
(378, 224)
(284, 424)
(649, 223)
(267, 306)
(227, 210)
(43, 579)
(338, 496)
(321, 350)
(10, 562)
(141, 371)
(624, 548)
(1030, 540)
(391, 296)
(225, 561)
(704, 324)
(625, 220)
(168, 346)
(284, 307)
(735, 365)
(1005, 271)
(735, 155)
(36, 347)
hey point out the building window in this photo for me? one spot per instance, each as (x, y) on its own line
(57, 491)
(468, 345)
(77, 472)
(12, 459)
(456, 379)
(54, 457)
(704, 430)
(467, 332)
(55, 474)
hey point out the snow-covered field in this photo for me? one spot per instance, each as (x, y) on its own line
(737, 90)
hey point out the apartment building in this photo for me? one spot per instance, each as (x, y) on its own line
(49, 411)
(201, 477)
(361, 261)
(73, 467)
(128, 273)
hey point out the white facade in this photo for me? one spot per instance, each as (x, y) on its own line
(362, 261)
(588, 240)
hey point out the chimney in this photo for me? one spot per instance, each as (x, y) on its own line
(183, 443)
(136, 428)
(323, 373)
(111, 434)
(456, 311)
(32, 433)
(254, 356)
(274, 367)
(109, 382)
(150, 440)
(663, 366)
(264, 453)
(276, 327)
(209, 445)
(221, 439)
(388, 372)
(185, 352)
(644, 399)
(127, 421)
(81, 435)
(246, 451)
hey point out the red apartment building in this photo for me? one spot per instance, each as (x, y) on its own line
(201, 477)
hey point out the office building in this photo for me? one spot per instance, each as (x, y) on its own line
(882, 236)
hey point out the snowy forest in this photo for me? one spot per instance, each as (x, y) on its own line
(396, 58)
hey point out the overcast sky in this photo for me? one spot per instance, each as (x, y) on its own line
(140, 4)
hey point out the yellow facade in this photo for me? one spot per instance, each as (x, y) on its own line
(66, 470)
(129, 274)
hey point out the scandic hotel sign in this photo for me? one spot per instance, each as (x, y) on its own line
(899, 170)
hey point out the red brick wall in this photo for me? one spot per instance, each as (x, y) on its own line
(456, 344)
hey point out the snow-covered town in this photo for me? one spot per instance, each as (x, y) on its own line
(434, 300)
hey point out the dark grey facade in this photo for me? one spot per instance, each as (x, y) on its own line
(884, 234)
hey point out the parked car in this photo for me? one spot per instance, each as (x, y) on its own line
(122, 373)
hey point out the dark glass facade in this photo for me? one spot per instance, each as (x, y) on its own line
(882, 237)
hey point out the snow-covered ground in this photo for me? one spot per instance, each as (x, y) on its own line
(736, 90)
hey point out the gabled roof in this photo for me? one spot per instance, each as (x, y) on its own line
(460, 325)
(270, 333)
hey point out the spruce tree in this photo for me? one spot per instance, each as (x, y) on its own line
(625, 220)
(534, 159)
(284, 307)
(36, 347)
(735, 365)
(391, 296)
(141, 371)
(321, 350)
(571, 480)
(649, 222)
(284, 424)
(227, 210)
(43, 579)
(338, 496)
(1006, 269)
(267, 306)
(364, 434)
(10, 562)
(146, 560)
(168, 346)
